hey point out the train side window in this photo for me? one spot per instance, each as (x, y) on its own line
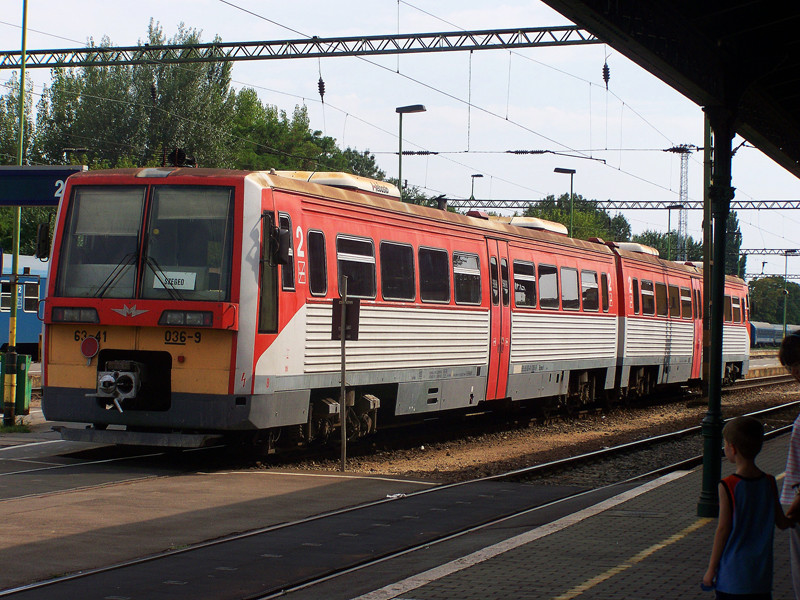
(728, 309)
(636, 296)
(397, 272)
(30, 297)
(504, 281)
(287, 271)
(317, 264)
(466, 278)
(268, 301)
(548, 287)
(570, 299)
(698, 303)
(356, 260)
(674, 302)
(495, 280)
(686, 303)
(524, 284)
(662, 308)
(434, 275)
(5, 296)
(737, 310)
(589, 291)
(604, 291)
(648, 298)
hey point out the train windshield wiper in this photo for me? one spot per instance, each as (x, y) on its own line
(115, 274)
(162, 277)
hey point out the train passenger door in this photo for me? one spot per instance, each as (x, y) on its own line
(500, 319)
(697, 314)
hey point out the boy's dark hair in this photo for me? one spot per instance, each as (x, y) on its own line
(789, 354)
(746, 434)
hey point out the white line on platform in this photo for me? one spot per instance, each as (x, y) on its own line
(29, 445)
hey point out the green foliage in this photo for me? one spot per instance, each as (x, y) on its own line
(127, 116)
(119, 115)
(587, 220)
(30, 219)
(734, 264)
(267, 138)
(667, 244)
(9, 121)
(767, 300)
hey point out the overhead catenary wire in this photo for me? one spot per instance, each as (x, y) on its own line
(470, 105)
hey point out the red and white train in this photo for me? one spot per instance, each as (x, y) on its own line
(188, 304)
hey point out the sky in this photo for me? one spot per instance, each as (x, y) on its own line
(478, 105)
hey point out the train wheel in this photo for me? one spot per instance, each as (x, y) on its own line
(638, 385)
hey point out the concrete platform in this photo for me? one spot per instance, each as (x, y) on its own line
(644, 543)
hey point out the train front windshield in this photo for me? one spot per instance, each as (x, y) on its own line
(176, 246)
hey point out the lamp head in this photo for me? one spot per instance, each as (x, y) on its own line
(412, 108)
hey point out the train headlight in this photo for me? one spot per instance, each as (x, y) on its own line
(188, 318)
(75, 314)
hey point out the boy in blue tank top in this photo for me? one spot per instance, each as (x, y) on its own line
(740, 566)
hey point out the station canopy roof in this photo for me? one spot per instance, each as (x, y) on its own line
(743, 55)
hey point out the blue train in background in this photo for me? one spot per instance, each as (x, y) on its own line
(766, 334)
(31, 289)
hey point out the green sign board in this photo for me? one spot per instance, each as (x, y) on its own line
(34, 186)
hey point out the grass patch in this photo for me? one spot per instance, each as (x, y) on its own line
(15, 429)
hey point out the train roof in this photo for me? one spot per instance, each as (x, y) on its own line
(384, 196)
(628, 251)
(297, 182)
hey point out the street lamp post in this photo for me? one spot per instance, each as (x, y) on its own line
(669, 228)
(472, 190)
(571, 173)
(785, 288)
(401, 110)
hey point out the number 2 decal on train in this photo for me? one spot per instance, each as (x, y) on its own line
(301, 253)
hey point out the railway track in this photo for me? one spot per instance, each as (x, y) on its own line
(386, 441)
(755, 382)
(370, 533)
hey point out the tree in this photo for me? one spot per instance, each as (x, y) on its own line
(128, 116)
(767, 298)
(587, 220)
(120, 115)
(667, 243)
(9, 122)
(362, 163)
(31, 217)
(734, 264)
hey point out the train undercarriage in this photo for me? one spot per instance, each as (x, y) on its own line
(139, 386)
